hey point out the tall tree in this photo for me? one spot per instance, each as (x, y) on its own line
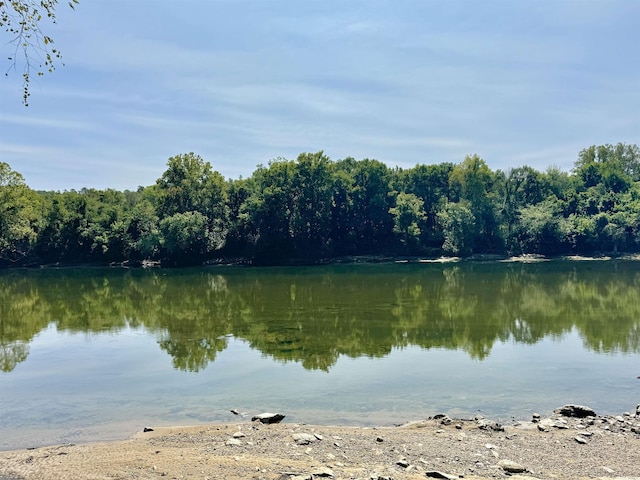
(542, 229)
(343, 217)
(408, 214)
(431, 184)
(459, 226)
(144, 231)
(621, 157)
(372, 200)
(268, 210)
(186, 237)
(190, 185)
(310, 221)
(472, 180)
(521, 187)
(19, 215)
(238, 238)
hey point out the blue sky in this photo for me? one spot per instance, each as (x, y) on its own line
(242, 82)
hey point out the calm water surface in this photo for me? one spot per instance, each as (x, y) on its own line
(96, 354)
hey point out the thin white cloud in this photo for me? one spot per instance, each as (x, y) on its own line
(44, 122)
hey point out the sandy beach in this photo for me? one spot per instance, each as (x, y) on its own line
(557, 447)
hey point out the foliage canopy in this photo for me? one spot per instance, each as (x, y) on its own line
(313, 208)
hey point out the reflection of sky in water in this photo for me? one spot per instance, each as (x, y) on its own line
(75, 387)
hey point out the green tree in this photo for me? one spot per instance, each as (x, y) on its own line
(238, 238)
(310, 221)
(542, 229)
(19, 215)
(619, 159)
(407, 216)
(458, 224)
(59, 239)
(190, 185)
(472, 180)
(103, 228)
(343, 217)
(186, 237)
(431, 184)
(144, 231)
(268, 210)
(522, 186)
(32, 48)
(558, 183)
(372, 200)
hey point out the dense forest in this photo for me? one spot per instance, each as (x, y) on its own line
(313, 208)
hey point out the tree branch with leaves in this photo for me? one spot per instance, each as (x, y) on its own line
(32, 48)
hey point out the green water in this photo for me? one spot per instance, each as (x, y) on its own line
(91, 354)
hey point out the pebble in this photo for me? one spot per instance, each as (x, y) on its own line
(304, 438)
(511, 467)
(322, 472)
(437, 474)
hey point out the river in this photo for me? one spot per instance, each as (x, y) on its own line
(97, 353)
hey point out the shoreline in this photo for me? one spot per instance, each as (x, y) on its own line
(569, 444)
(347, 260)
(31, 437)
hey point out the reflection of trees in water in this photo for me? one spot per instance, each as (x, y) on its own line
(22, 316)
(11, 354)
(313, 316)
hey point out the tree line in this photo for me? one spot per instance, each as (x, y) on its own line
(314, 208)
